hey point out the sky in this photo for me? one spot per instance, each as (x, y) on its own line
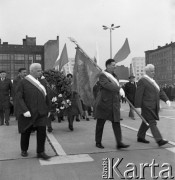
(146, 23)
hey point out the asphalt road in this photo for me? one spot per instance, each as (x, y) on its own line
(75, 157)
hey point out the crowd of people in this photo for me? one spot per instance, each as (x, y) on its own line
(169, 89)
(34, 114)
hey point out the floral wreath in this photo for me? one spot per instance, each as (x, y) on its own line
(60, 86)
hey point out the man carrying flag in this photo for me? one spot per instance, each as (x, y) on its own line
(107, 105)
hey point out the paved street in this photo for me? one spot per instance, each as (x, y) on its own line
(75, 157)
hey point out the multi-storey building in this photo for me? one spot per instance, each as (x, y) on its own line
(13, 57)
(137, 67)
(164, 60)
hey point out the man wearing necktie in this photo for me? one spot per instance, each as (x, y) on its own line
(130, 90)
(5, 95)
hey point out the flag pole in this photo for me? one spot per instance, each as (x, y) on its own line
(136, 111)
(75, 42)
(78, 46)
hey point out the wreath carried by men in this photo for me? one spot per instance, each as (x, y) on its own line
(60, 88)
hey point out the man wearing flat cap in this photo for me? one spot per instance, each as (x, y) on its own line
(130, 90)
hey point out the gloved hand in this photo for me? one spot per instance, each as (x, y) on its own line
(27, 114)
(48, 114)
(168, 103)
(139, 110)
(122, 92)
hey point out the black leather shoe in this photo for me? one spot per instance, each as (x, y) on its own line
(87, 119)
(162, 142)
(50, 129)
(142, 140)
(77, 120)
(99, 145)
(7, 123)
(43, 156)
(121, 145)
(24, 154)
(71, 127)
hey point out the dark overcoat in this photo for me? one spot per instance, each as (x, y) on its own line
(30, 98)
(15, 85)
(5, 93)
(130, 90)
(76, 106)
(107, 103)
(147, 98)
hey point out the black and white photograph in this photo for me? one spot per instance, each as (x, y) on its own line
(87, 89)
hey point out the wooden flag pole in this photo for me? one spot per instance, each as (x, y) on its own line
(136, 111)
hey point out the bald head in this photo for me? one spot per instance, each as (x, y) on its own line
(150, 70)
(35, 70)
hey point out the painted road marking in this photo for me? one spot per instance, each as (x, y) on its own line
(148, 134)
(55, 145)
(67, 159)
(168, 117)
(62, 157)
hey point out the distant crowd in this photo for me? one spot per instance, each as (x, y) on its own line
(169, 89)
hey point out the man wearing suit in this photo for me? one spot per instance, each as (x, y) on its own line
(130, 90)
(33, 106)
(21, 75)
(107, 105)
(147, 98)
(5, 95)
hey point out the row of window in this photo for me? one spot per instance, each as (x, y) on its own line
(37, 57)
(165, 53)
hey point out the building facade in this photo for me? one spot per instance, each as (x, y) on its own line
(137, 67)
(51, 52)
(13, 57)
(122, 72)
(163, 59)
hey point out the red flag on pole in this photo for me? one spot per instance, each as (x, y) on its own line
(63, 59)
(123, 52)
(84, 76)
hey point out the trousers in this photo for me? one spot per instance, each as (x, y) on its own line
(99, 131)
(4, 113)
(154, 130)
(41, 137)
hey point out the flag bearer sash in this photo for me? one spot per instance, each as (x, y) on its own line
(37, 84)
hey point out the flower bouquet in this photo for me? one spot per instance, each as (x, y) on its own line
(59, 103)
(60, 87)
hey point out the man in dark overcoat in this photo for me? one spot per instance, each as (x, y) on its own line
(107, 106)
(22, 72)
(33, 105)
(5, 96)
(148, 95)
(130, 90)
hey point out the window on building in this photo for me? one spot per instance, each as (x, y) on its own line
(38, 57)
(19, 56)
(31, 57)
(4, 56)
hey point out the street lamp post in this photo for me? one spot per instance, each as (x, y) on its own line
(112, 27)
